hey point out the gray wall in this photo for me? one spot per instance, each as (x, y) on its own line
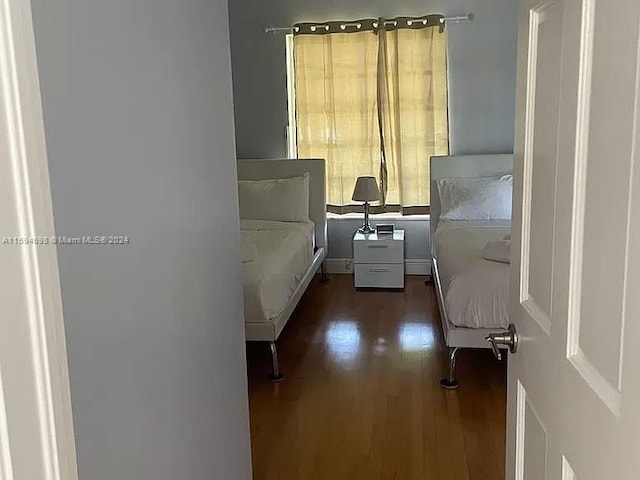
(139, 122)
(417, 245)
(482, 66)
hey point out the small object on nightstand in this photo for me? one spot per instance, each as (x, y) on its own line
(385, 228)
(378, 260)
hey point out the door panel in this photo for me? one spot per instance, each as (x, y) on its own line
(535, 444)
(606, 193)
(540, 173)
(575, 381)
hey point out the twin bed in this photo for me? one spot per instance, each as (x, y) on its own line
(283, 231)
(284, 242)
(473, 292)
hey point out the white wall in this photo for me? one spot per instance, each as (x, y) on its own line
(139, 122)
(482, 67)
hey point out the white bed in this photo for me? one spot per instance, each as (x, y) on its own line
(276, 255)
(280, 258)
(473, 293)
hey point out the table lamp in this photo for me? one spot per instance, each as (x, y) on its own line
(366, 190)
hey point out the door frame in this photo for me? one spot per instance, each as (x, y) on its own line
(22, 133)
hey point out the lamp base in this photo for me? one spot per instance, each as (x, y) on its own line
(366, 226)
(366, 229)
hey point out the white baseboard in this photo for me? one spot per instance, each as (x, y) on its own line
(421, 266)
(417, 267)
(338, 265)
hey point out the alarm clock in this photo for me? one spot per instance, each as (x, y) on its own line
(385, 228)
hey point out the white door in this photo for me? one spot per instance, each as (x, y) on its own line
(574, 384)
(36, 432)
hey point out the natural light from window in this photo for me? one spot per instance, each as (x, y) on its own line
(343, 340)
(292, 148)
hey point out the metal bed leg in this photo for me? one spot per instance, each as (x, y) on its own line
(450, 382)
(323, 273)
(275, 376)
(432, 277)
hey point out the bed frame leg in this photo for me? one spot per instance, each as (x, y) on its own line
(275, 376)
(323, 273)
(431, 278)
(450, 382)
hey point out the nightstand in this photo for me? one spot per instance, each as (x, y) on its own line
(378, 260)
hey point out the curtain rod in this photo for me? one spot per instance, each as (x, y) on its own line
(455, 18)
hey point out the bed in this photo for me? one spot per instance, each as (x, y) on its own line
(279, 258)
(472, 292)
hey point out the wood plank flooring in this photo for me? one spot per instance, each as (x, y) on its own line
(361, 398)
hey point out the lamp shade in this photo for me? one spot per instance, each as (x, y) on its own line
(366, 190)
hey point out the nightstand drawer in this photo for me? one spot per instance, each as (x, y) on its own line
(378, 251)
(375, 275)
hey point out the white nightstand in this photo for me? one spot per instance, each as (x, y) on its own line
(378, 260)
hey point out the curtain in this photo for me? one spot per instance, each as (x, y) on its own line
(373, 102)
(413, 111)
(336, 115)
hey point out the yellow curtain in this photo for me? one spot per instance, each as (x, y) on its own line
(336, 116)
(413, 110)
(361, 93)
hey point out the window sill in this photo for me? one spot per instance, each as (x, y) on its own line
(379, 217)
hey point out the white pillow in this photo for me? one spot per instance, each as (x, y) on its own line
(498, 251)
(476, 198)
(282, 199)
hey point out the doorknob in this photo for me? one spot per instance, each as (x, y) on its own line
(508, 339)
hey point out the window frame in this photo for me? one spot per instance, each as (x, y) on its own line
(291, 134)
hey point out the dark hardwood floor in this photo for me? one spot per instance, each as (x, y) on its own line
(361, 398)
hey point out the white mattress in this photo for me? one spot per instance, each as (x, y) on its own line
(475, 290)
(276, 255)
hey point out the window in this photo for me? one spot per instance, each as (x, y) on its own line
(371, 102)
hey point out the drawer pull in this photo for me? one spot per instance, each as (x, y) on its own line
(378, 270)
(375, 245)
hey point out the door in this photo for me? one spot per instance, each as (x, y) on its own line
(36, 432)
(574, 384)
